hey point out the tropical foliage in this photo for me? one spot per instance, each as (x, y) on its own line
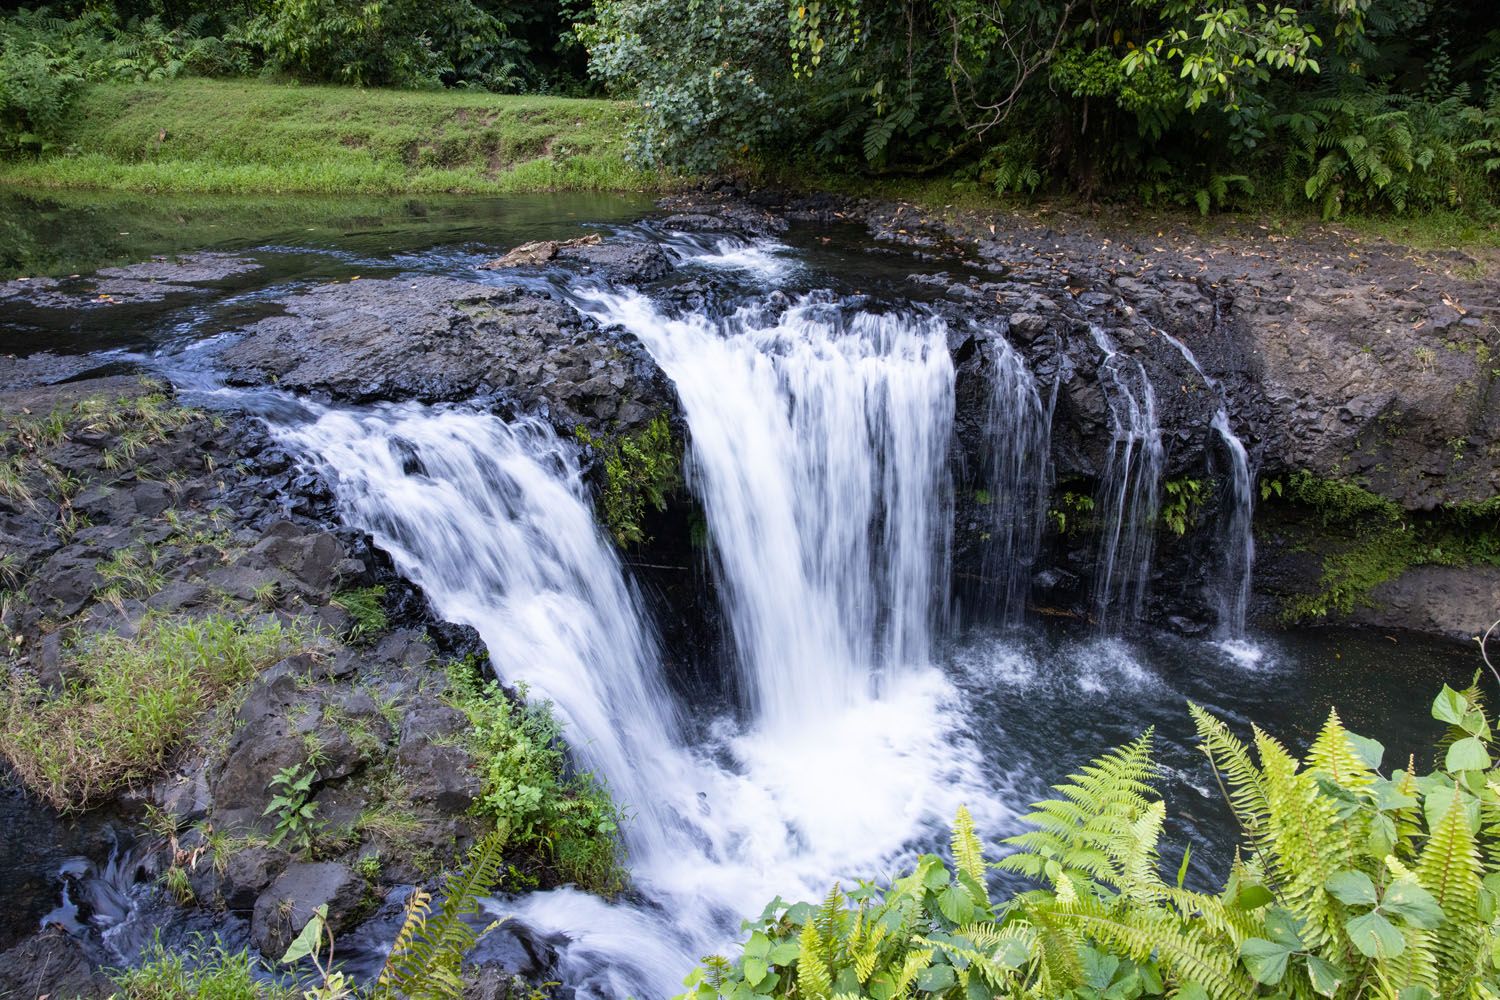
(1374, 104)
(1353, 879)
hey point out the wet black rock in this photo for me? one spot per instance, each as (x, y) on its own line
(618, 262)
(437, 339)
(284, 908)
(51, 964)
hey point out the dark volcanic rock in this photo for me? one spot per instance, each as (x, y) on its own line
(284, 909)
(51, 964)
(437, 339)
(619, 263)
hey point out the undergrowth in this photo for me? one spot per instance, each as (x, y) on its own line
(566, 820)
(205, 970)
(128, 702)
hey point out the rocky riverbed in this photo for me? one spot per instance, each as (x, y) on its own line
(1353, 363)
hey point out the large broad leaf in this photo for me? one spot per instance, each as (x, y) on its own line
(1416, 993)
(1449, 706)
(1352, 888)
(307, 942)
(1284, 928)
(1266, 960)
(956, 904)
(1370, 752)
(1252, 896)
(785, 953)
(758, 945)
(1325, 976)
(754, 970)
(936, 978)
(1098, 968)
(1375, 936)
(1467, 754)
(1408, 900)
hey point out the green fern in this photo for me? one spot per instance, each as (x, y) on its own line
(425, 960)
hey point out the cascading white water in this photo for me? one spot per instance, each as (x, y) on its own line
(1129, 495)
(1232, 573)
(1238, 541)
(819, 451)
(1018, 433)
(493, 522)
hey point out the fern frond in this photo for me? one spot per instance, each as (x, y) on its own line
(813, 979)
(968, 852)
(1450, 868)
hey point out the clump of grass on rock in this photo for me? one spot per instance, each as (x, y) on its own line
(128, 702)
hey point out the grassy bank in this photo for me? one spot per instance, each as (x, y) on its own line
(212, 136)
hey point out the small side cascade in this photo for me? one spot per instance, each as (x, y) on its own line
(1018, 472)
(1129, 496)
(1230, 590)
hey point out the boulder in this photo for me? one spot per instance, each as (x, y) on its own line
(284, 908)
(50, 964)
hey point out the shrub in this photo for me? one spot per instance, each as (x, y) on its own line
(128, 702)
(1347, 877)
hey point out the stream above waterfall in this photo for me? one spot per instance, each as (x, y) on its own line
(892, 612)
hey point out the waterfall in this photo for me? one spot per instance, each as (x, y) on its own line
(492, 520)
(1230, 590)
(819, 451)
(1129, 488)
(1018, 431)
(1237, 541)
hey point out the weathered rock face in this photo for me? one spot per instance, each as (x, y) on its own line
(438, 339)
(51, 964)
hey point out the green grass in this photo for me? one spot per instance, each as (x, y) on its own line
(206, 971)
(128, 703)
(213, 136)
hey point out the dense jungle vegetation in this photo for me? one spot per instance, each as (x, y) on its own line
(1339, 105)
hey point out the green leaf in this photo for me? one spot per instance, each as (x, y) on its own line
(1474, 724)
(1369, 751)
(1251, 897)
(1467, 754)
(956, 904)
(935, 978)
(1325, 976)
(1284, 928)
(934, 872)
(1416, 993)
(1412, 903)
(1192, 991)
(754, 969)
(785, 953)
(1352, 888)
(1266, 960)
(307, 942)
(1375, 936)
(758, 945)
(1182, 869)
(1449, 706)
